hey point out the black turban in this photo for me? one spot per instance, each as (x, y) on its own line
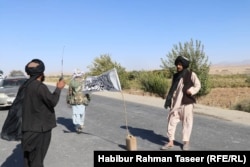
(183, 60)
(35, 70)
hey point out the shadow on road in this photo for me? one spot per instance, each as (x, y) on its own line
(149, 135)
(15, 159)
(145, 134)
(67, 122)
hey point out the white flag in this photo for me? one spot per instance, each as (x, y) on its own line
(107, 81)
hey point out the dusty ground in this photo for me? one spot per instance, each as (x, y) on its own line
(218, 112)
(230, 69)
(218, 97)
(225, 97)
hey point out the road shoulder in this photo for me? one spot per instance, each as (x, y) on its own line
(226, 114)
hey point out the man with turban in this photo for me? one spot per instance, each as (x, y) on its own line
(76, 99)
(38, 114)
(180, 100)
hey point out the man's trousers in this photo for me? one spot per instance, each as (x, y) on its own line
(185, 114)
(35, 146)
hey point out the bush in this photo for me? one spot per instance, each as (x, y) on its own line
(248, 80)
(243, 105)
(16, 73)
(154, 83)
(199, 63)
(229, 81)
(123, 77)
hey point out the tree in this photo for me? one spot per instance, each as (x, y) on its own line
(104, 63)
(198, 62)
(16, 73)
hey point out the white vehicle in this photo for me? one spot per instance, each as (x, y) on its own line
(1, 76)
(8, 89)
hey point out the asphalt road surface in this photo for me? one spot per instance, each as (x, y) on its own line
(106, 130)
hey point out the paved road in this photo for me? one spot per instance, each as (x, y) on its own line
(106, 130)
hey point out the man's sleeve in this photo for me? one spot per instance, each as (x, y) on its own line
(51, 99)
(197, 84)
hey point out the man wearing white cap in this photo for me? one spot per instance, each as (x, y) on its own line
(76, 99)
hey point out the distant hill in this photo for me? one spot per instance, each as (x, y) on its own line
(236, 63)
(223, 68)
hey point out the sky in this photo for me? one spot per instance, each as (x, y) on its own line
(134, 33)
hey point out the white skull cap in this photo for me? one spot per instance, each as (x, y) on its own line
(77, 73)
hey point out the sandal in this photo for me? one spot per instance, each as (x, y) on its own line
(185, 147)
(167, 147)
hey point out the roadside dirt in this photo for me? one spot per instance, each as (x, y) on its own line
(225, 97)
(218, 112)
(218, 97)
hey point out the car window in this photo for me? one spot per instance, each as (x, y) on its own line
(13, 82)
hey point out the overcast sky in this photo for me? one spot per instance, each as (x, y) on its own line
(135, 33)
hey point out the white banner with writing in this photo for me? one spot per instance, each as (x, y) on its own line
(108, 81)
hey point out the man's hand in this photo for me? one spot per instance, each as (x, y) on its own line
(189, 92)
(60, 84)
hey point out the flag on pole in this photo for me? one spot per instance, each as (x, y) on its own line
(108, 81)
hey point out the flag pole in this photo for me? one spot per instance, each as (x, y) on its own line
(131, 142)
(124, 104)
(125, 111)
(110, 81)
(62, 64)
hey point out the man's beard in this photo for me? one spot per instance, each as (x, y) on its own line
(42, 78)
